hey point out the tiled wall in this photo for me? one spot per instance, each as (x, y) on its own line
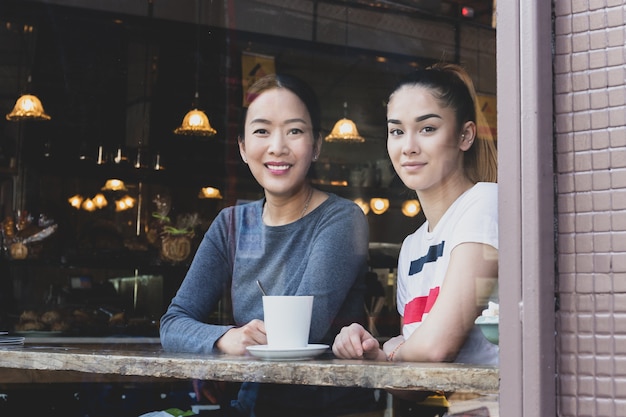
(590, 111)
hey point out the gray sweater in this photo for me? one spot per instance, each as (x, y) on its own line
(324, 254)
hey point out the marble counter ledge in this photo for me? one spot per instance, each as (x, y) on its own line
(91, 340)
(151, 361)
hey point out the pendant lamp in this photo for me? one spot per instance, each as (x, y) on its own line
(411, 208)
(379, 205)
(210, 192)
(28, 107)
(196, 122)
(114, 184)
(345, 131)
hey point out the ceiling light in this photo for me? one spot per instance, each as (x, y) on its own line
(75, 201)
(124, 203)
(195, 123)
(379, 205)
(88, 205)
(100, 201)
(114, 185)
(27, 107)
(411, 208)
(210, 192)
(345, 130)
(129, 201)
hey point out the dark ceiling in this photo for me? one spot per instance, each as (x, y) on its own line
(99, 72)
(480, 10)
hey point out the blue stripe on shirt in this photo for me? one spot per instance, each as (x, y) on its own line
(434, 252)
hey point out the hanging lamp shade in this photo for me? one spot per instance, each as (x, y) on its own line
(76, 201)
(411, 208)
(100, 200)
(195, 123)
(210, 192)
(28, 107)
(114, 184)
(88, 205)
(345, 131)
(379, 205)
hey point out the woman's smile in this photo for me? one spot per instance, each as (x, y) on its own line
(278, 168)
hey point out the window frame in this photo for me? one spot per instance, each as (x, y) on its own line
(526, 209)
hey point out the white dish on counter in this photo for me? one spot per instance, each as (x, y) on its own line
(11, 341)
(285, 354)
(38, 333)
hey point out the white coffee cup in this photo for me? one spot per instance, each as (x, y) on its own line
(287, 320)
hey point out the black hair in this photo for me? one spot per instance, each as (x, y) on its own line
(452, 86)
(294, 84)
(448, 87)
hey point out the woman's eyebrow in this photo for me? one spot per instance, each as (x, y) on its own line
(288, 121)
(417, 119)
(295, 120)
(427, 116)
(260, 120)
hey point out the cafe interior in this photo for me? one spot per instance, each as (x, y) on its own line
(119, 146)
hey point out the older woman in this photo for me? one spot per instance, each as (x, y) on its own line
(297, 240)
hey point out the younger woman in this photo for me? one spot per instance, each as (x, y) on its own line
(448, 268)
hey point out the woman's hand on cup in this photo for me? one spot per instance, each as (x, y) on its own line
(235, 341)
(354, 342)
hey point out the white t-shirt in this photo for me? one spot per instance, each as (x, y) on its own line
(424, 259)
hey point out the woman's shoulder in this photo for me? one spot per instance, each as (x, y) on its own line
(338, 212)
(336, 199)
(483, 193)
(481, 202)
(338, 203)
(486, 188)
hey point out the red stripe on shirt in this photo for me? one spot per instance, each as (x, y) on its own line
(417, 307)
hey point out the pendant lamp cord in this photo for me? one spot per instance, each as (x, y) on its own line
(147, 79)
(345, 53)
(198, 34)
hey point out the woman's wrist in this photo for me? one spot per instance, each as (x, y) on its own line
(393, 354)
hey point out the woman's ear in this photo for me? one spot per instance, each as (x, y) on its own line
(317, 147)
(242, 148)
(468, 134)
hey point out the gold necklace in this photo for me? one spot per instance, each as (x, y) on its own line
(306, 205)
(308, 200)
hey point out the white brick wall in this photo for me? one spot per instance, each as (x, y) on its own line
(590, 123)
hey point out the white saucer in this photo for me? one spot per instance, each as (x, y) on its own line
(286, 354)
(11, 341)
(38, 333)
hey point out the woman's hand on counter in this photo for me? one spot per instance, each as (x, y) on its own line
(235, 340)
(354, 342)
